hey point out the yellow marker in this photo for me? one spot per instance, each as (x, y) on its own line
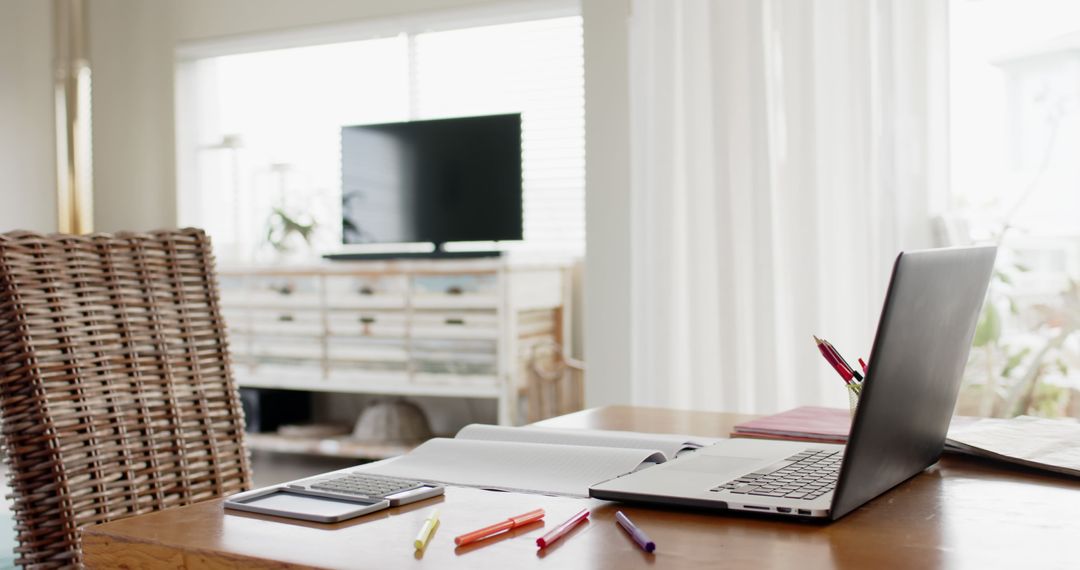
(424, 535)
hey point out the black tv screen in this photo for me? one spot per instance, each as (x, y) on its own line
(432, 181)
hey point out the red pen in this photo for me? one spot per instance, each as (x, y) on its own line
(512, 522)
(840, 369)
(561, 530)
(865, 371)
(843, 362)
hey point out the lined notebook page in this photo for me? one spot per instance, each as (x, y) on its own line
(567, 470)
(669, 445)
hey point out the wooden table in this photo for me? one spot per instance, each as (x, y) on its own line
(960, 513)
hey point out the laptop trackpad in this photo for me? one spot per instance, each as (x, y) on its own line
(717, 465)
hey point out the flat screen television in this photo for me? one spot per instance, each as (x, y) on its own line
(437, 181)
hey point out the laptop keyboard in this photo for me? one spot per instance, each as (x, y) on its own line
(806, 475)
(366, 485)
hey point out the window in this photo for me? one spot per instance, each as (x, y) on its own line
(1015, 133)
(259, 132)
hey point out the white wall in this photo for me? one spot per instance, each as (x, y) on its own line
(196, 20)
(27, 133)
(131, 60)
(607, 202)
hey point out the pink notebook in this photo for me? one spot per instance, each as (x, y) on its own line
(806, 423)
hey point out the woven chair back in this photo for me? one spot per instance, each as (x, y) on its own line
(116, 395)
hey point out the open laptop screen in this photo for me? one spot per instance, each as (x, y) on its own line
(920, 349)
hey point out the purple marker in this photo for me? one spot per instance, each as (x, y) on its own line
(636, 533)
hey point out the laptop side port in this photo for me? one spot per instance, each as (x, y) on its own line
(783, 509)
(804, 512)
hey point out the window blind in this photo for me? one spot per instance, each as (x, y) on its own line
(535, 68)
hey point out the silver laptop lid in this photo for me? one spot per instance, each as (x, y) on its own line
(920, 349)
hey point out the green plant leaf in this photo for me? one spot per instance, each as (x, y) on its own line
(1003, 277)
(989, 328)
(1013, 361)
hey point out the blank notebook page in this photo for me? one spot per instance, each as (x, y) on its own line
(567, 470)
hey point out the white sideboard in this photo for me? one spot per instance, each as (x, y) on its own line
(451, 328)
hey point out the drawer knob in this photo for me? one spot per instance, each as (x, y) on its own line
(367, 320)
(453, 321)
(286, 318)
(454, 290)
(365, 290)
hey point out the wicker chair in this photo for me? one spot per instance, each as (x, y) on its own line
(116, 395)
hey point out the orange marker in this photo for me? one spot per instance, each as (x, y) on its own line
(512, 522)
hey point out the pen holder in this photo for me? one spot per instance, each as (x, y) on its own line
(853, 391)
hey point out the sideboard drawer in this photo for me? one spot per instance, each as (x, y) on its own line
(455, 357)
(460, 357)
(270, 347)
(455, 324)
(294, 322)
(358, 349)
(286, 291)
(366, 292)
(391, 324)
(455, 291)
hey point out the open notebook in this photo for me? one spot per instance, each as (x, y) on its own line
(535, 460)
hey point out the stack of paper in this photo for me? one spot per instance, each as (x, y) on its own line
(1053, 445)
(808, 423)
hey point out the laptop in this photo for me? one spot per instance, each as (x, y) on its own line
(918, 357)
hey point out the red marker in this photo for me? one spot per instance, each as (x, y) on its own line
(512, 522)
(561, 530)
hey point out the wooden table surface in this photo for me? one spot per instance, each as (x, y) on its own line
(961, 513)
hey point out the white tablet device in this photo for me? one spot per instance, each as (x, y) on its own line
(333, 497)
(295, 504)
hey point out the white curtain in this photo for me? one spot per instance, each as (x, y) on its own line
(784, 152)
